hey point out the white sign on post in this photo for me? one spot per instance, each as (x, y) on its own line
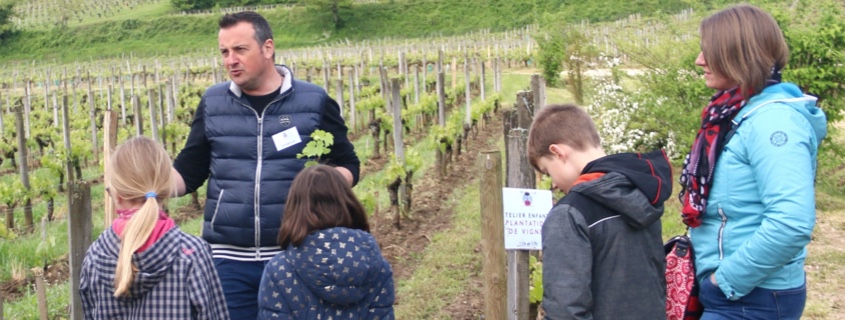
(525, 211)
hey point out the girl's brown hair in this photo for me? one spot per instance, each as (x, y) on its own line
(139, 172)
(319, 198)
(743, 43)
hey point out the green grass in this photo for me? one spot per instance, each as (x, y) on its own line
(447, 262)
(149, 30)
(16, 256)
(27, 307)
(142, 12)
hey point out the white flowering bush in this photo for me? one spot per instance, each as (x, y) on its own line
(663, 112)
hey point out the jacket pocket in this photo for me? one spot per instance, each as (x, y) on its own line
(217, 207)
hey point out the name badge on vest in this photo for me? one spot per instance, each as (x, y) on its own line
(286, 138)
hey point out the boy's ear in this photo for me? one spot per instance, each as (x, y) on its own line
(557, 151)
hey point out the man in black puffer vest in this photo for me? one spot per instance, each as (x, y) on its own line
(244, 139)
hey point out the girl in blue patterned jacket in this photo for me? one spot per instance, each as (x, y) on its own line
(144, 267)
(331, 267)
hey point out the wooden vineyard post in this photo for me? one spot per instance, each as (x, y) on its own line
(339, 93)
(55, 110)
(454, 72)
(538, 91)
(468, 97)
(92, 114)
(383, 82)
(326, 77)
(122, 100)
(23, 165)
(353, 116)
(109, 142)
(66, 137)
(41, 293)
(417, 83)
(26, 108)
(524, 109)
(398, 143)
(79, 238)
(425, 71)
(1, 130)
(161, 115)
(403, 67)
(139, 120)
(441, 114)
(441, 92)
(153, 123)
(519, 175)
(2, 299)
(483, 74)
(492, 235)
(497, 75)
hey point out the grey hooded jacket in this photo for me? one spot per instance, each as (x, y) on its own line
(603, 252)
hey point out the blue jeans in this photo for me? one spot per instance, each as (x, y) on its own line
(760, 303)
(240, 281)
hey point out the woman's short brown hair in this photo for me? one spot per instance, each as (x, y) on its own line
(561, 123)
(319, 198)
(743, 43)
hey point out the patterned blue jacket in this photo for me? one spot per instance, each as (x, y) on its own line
(336, 273)
(176, 280)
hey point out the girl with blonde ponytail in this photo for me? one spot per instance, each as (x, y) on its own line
(144, 267)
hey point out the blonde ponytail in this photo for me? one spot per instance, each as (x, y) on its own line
(135, 234)
(139, 171)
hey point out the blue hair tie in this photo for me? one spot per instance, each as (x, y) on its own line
(151, 195)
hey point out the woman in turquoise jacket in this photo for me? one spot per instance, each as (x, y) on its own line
(748, 182)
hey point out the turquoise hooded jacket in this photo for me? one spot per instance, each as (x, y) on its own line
(761, 208)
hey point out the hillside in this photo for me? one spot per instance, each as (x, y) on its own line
(146, 31)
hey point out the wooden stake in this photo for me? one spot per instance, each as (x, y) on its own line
(398, 141)
(492, 235)
(139, 120)
(79, 238)
(109, 142)
(92, 113)
(23, 165)
(153, 122)
(41, 293)
(352, 111)
(520, 174)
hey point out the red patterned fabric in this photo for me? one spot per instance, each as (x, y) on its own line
(681, 290)
(697, 173)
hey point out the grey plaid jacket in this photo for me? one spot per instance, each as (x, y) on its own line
(176, 280)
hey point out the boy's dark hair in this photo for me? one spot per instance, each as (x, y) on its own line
(319, 198)
(560, 123)
(259, 24)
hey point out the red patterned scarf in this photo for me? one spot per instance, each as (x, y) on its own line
(697, 175)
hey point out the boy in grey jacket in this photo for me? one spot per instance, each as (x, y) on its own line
(603, 252)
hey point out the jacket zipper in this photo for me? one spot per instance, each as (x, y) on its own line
(721, 231)
(257, 190)
(217, 207)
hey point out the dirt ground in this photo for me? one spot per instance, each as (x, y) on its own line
(431, 215)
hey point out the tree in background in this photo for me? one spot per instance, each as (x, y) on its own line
(565, 46)
(6, 14)
(192, 4)
(208, 4)
(332, 7)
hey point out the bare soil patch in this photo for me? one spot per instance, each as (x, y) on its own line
(431, 214)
